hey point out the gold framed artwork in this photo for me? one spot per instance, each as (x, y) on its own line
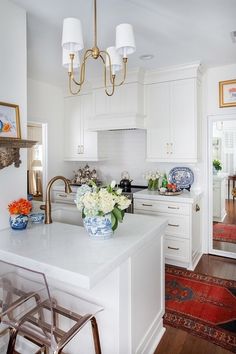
(9, 121)
(227, 93)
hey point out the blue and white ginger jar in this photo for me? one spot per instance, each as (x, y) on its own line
(18, 221)
(99, 227)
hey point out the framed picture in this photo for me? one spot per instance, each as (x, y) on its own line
(227, 91)
(9, 121)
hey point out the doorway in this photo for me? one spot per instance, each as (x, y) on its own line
(222, 183)
(37, 160)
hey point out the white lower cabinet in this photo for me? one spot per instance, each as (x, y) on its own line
(182, 245)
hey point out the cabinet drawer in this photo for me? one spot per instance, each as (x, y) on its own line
(62, 197)
(176, 248)
(178, 225)
(162, 207)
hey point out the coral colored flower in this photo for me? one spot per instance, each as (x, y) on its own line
(20, 206)
(6, 127)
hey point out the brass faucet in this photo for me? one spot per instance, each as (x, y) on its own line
(47, 206)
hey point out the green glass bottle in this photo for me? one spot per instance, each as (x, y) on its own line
(164, 181)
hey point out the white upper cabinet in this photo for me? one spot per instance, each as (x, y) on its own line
(172, 121)
(80, 144)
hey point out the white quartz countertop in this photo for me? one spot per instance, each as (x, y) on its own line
(67, 253)
(185, 197)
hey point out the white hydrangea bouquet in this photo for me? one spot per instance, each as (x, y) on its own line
(152, 178)
(94, 201)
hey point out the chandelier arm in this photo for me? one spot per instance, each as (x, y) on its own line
(113, 88)
(70, 86)
(87, 54)
(104, 61)
(105, 79)
(124, 72)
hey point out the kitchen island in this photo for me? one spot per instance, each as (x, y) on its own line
(124, 274)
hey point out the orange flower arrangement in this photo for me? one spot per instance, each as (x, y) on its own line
(20, 206)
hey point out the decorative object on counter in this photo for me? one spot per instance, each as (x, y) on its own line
(217, 166)
(183, 177)
(36, 218)
(19, 211)
(164, 181)
(84, 175)
(125, 182)
(102, 209)
(171, 189)
(153, 179)
(113, 59)
(227, 90)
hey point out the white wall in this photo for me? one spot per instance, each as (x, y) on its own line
(211, 108)
(13, 90)
(45, 105)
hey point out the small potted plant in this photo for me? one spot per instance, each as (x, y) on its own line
(19, 211)
(217, 166)
(102, 208)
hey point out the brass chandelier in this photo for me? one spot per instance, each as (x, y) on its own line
(112, 59)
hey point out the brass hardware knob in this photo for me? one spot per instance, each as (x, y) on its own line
(197, 208)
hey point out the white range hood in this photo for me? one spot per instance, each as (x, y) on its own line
(123, 110)
(125, 121)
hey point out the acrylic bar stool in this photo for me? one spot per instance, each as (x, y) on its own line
(30, 309)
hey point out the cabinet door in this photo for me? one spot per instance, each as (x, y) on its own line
(72, 127)
(183, 120)
(158, 121)
(80, 144)
(89, 139)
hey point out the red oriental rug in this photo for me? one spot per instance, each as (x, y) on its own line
(203, 305)
(224, 232)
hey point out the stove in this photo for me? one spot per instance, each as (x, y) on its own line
(129, 194)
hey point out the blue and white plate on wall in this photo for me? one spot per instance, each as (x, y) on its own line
(183, 177)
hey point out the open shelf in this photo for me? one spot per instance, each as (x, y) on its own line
(10, 150)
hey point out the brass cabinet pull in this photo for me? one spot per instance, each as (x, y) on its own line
(174, 225)
(197, 208)
(169, 207)
(63, 195)
(167, 148)
(147, 205)
(173, 248)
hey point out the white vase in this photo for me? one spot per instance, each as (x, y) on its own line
(99, 227)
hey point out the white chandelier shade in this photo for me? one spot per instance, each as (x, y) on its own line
(125, 43)
(72, 36)
(116, 60)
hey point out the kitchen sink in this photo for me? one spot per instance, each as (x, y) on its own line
(67, 215)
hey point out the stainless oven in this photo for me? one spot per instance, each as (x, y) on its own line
(129, 194)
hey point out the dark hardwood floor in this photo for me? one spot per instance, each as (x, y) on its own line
(176, 341)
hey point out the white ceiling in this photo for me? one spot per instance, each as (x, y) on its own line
(174, 31)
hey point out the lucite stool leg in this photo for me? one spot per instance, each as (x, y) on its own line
(96, 339)
(12, 341)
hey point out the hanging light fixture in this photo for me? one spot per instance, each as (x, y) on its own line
(112, 59)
